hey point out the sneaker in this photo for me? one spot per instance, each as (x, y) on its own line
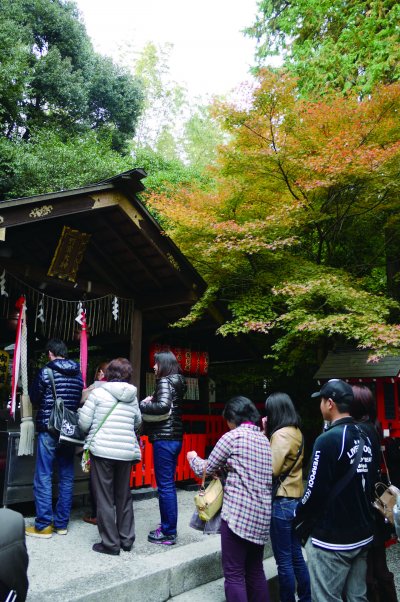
(60, 531)
(45, 533)
(158, 536)
(155, 530)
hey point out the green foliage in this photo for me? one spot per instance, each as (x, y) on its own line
(165, 176)
(202, 137)
(164, 102)
(66, 113)
(114, 100)
(47, 162)
(331, 44)
(198, 309)
(52, 78)
(332, 306)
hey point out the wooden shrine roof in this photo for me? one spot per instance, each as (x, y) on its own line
(128, 254)
(354, 364)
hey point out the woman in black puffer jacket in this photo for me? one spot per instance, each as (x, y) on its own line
(162, 416)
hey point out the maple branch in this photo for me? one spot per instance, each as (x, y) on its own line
(280, 166)
(377, 121)
(281, 169)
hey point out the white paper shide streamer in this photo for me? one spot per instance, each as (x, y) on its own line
(115, 308)
(3, 291)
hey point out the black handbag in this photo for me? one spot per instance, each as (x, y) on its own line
(63, 422)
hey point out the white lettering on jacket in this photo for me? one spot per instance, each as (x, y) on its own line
(311, 479)
(364, 460)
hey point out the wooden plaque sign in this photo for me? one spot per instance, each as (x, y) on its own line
(69, 254)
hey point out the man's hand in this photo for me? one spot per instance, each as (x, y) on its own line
(190, 455)
(147, 399)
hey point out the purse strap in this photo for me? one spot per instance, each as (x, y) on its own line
(386, 466)
(341, 484)
(101, 424)
(203, 479)
(53, 384)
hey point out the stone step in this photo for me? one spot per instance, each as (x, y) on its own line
(214, 590)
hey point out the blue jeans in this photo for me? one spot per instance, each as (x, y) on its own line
(165, 459)
(288, 554)
(337, 573)
(47, 454)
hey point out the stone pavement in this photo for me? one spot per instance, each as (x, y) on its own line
(393, 561)
(64, 568)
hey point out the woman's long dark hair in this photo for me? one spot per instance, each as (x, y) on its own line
(363, 407)
(167, 364)
(280, 412)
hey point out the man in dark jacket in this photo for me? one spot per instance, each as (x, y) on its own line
(69, 384)
(341, 515)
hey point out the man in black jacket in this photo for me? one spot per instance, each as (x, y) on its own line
(342, 522)
(69, 384)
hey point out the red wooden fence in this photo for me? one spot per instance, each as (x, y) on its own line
(142, 474)
(214, 426)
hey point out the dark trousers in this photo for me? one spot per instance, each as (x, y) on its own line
(242, 563)
(380, 581)
(93, 506)
(110, 480)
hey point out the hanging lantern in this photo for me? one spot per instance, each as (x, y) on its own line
(191, 362)
(199, 362)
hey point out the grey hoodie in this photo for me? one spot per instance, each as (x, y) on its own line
(116, 438)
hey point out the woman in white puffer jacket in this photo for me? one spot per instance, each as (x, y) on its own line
(113, 446)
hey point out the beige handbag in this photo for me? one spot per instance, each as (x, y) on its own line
(385, 499)
(208, 500)
(386, 496)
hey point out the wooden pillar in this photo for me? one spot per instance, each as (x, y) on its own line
(135, 353)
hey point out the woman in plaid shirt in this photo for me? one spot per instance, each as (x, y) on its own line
(245, 455)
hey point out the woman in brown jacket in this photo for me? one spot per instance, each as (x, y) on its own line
(281, 425)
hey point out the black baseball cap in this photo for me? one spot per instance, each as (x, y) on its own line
(335, 389)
